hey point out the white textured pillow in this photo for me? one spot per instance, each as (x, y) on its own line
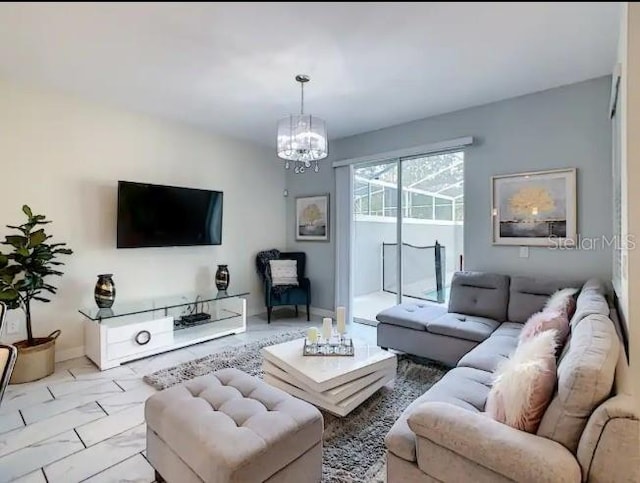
(562, 300)
(284, 272)
(525, 383)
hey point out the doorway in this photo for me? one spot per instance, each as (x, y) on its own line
(407, 232)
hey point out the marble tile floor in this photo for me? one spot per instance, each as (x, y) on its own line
(81, 424)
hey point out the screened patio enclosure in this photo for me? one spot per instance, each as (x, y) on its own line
(427, 191)
(432, 189)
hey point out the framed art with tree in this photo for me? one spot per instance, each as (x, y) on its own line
(535, 209)
(312, 218)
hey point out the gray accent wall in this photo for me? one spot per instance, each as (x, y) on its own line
(320, 255)
(558, 128)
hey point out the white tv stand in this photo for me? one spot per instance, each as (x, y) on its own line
(130, 331)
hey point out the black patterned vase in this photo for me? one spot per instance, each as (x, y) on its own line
(105, 291)
(222, 278)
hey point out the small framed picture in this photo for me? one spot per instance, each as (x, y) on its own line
(312, 218)
(534, 209)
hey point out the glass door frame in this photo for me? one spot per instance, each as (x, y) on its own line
(398, 165)
(398, 161)
(344, 211)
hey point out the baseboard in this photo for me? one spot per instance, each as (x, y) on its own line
(253, 311)
(322, 312)
(303, 310)
(67, 354)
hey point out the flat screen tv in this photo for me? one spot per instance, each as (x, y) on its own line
(152, 215)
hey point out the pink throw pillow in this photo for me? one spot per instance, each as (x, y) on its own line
(525, 384)
(563, 300)
(546, 320)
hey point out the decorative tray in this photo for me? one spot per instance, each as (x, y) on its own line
(336, 347)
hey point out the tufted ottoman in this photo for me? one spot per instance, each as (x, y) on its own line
(232, 427)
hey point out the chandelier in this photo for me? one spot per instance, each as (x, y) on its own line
(302, 139)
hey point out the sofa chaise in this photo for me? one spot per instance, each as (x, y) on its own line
(589, 432)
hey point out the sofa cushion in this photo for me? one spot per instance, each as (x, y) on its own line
(548, 319)
(411, 315)
(524, 384)
(585, 378)
(462, 326)
(528, 295)
(509, 329)
(591, 300)
(563, 300)
(464, 387)
(481, 294)
(495, 349)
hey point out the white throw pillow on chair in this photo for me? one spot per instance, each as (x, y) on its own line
(284, 272)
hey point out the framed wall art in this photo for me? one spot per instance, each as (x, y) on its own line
(312, 218)
(534, 209)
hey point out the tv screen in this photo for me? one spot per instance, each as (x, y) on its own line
(160, 216)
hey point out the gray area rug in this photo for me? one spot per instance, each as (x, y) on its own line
(354, 450)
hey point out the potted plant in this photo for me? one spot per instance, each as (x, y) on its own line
(23, 270)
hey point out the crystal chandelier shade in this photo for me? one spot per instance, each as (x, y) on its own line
(302, 138)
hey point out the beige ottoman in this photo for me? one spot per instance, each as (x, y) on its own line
(232, 427)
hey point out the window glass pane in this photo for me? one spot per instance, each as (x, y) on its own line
(460, 209)
(376, 203)
(390, 197)
(434, 173)
(361, 205)
(444, 209)
(360, 187)
(421, 206)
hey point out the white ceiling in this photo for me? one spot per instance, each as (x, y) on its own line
(231, 67)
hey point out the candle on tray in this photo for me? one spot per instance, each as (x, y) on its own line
(341, 316)
(312, 335)
(327, 328)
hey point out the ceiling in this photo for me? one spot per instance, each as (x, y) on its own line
(230, 67)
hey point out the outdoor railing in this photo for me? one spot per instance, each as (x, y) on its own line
(423, 270)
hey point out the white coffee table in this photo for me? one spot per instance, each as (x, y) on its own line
(336, 383)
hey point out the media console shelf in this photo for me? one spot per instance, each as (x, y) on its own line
(133, 330)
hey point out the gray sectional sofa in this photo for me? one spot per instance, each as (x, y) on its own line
(589, 432)
(481, 304)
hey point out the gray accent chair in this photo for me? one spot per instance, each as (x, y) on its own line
(480, 305)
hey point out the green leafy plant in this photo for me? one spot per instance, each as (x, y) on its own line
(30, 260)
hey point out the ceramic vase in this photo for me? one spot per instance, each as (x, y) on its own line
(105, 291)
(222, 278)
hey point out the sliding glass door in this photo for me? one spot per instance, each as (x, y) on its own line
(374, 266)
(407, 232)
(432, 224)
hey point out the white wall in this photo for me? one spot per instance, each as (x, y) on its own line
(64, 156)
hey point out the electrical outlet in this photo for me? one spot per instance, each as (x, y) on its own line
(524, 252)
(13, 326)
